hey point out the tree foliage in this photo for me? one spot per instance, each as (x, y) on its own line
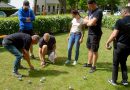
(4, 0)
(82, 4)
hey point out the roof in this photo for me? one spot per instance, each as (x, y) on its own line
(52, 1)
(5, 5)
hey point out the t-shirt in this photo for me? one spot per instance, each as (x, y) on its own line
(49, 44)
(76, 25)
(19, 40)
(95, 30)
(123, 25)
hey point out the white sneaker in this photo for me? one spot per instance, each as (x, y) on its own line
(75, 62)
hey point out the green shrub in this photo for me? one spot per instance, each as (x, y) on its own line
(42, 24)
(50, 23)
(9, 25)
(109, 21)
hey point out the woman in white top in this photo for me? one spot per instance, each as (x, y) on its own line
(75, 36)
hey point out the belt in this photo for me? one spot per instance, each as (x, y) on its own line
(75, 32)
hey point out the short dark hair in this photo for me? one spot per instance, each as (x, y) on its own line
(126, 9)
(26, 3)
(75, 12)
(91, 1)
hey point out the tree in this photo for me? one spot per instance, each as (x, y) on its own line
(113, 4)
(62, 6)
(83, 4)
(72, 4)
(4, 1)
(35, 6)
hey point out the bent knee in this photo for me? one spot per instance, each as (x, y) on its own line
(44, 47)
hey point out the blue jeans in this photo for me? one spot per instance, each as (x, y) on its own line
(12, 49)
(74, 39)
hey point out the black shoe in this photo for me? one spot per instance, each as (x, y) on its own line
(87, 65)
(112, 82)
(33, 57)
(93, 69)
(124, 82)
(22, 67)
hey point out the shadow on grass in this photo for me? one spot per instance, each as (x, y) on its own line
(104, 66)
(41, 73)
(121, 87)
(60, 61)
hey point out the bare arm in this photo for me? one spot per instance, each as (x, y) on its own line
(27, 58)
(40, 55)
(82, 34)
(112, 37)
(70, 26)
(92, 22)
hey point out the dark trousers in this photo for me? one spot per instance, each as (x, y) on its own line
(12, 49)
(120, 55)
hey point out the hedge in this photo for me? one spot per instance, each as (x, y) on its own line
(109, 21)
(51, 24)
(42, 24)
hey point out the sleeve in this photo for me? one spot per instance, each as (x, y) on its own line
(54, 40)
(41, 43)
(32, 16)
(27, 43)
(98, 14)
(117, 25)
(21, 17)
(72, 21)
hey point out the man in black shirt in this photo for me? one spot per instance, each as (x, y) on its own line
(121, 34)
(47, 44)
(17, 44)
(93, 21)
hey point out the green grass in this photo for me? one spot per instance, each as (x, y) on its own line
(59, 76)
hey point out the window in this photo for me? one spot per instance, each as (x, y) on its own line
(49, 8)
(38, 8)
(53, 8)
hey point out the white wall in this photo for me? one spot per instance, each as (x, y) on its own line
(19, 3)
(40, 3)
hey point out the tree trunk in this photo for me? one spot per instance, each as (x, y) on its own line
(35, 6)
(62, 6)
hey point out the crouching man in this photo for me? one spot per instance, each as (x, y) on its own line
(47, 45)
(18, 44)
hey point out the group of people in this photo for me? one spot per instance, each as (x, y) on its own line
(20, 43)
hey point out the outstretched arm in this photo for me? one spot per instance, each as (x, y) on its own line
(27, 58)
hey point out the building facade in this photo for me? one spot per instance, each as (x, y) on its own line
(42, 6)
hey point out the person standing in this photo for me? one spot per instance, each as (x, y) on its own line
(121, 35)
(26, 17)
(18, 44)
(75, 36)
(94, 22)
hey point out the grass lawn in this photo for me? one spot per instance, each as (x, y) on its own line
(58, 76)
